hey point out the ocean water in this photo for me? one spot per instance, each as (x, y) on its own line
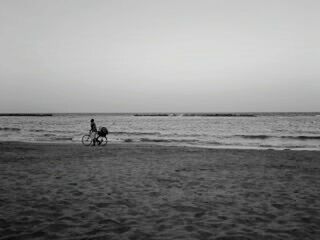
(265, 130)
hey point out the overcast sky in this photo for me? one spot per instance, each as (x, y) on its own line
(159, 55)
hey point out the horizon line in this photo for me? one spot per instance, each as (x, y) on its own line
(3, 113)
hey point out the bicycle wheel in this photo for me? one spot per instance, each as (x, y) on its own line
(86, 140)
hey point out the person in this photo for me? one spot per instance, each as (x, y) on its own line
(93, 132)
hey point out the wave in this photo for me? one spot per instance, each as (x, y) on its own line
(51, 131)
(49, 135)
(217, 143)
(9, 129)
(308, 132)
(268, 146)
(254, 136)
(184, 135)
(62, 139)
(135, 133)
(300, 137)
(37, 130)
(284, 146)
(166, 140)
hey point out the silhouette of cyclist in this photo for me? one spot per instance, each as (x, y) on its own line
(94, 132)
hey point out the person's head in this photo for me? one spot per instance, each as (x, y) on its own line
(92, 120)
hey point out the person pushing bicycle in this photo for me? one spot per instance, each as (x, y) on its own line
(94, 132)
(95, 136)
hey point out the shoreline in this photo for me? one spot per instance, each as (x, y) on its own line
(165, 145)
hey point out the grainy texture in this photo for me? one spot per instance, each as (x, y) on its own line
(132, 192)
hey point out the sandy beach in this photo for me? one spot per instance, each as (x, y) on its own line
(67, 191)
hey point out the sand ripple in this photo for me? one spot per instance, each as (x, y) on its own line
(146, 192)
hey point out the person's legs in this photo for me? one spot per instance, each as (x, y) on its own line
(94, 136)
(97, 138)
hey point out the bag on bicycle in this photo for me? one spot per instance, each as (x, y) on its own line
(103, 132)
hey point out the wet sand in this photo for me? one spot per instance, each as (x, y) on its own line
(55, 191)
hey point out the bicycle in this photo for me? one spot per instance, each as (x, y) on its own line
(87, 140)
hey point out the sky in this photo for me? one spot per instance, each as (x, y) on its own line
(159, 55)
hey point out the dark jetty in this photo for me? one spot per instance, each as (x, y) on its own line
(155, 115)
(217, 115)
(193, 115)
(26, 115)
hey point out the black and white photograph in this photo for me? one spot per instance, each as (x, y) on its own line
(159, 119)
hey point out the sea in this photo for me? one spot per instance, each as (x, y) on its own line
(295, 131)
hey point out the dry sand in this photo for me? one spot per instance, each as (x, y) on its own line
(52, 191)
